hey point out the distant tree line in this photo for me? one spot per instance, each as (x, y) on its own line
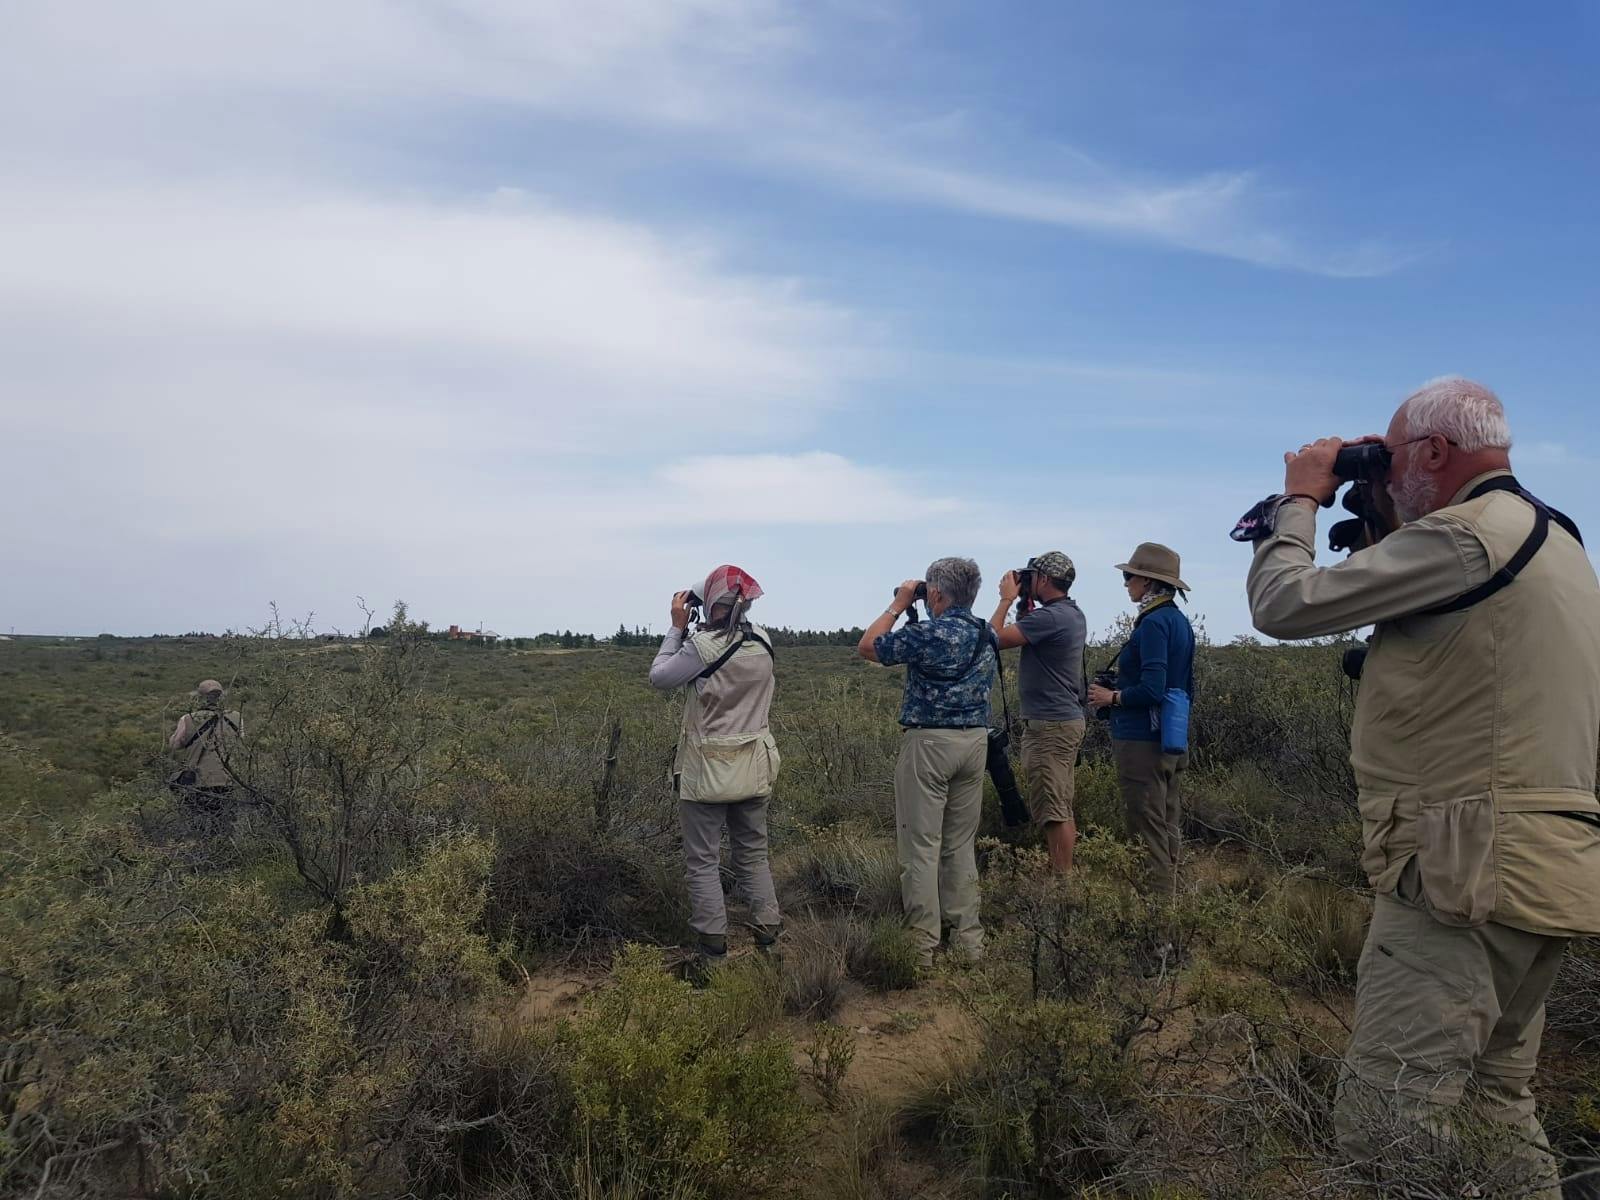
(641, 635)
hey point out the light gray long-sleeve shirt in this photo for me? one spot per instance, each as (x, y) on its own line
(676, 663)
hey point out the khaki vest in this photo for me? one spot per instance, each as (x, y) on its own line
(207, 754)
(725, 751)
(1475, 734)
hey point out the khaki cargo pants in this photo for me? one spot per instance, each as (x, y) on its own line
(1445, 1013)
(938, 797)
(1152, 803)
(1050, 763)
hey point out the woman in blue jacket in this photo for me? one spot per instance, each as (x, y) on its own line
(1158, 657)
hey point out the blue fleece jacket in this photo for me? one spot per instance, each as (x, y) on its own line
(1160, 655)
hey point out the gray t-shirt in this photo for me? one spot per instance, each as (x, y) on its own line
(1051, 678)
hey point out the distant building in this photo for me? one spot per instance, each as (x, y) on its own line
(457, 634)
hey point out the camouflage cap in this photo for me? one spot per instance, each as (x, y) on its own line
(208, 689)
(1055, 565)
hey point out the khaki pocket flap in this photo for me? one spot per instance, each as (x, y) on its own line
(1455, 853)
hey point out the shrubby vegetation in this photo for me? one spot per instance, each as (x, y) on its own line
(332, 1001)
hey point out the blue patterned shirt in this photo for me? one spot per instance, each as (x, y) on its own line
(942, 689)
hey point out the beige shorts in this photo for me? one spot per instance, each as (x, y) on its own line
(1049, 760)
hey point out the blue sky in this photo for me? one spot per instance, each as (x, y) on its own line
(531, 312)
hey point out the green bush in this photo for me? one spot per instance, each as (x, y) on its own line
(842, 869)
(193, 1026)
(812, 965)
(886, 958)
(675, 1079)
(1041, 1107)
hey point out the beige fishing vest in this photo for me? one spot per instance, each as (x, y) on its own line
(725, 751)
(206, 755)
(1475, 731)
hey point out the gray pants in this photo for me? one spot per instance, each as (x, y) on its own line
(746, 822)
(938, 797)
(1445, 1013)
(1152, 803)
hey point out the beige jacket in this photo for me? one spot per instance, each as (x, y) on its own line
(1474, 740)
(204, 745)
(725, 751)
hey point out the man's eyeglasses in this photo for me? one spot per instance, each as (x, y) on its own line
(1128, 577)
(1409, 441)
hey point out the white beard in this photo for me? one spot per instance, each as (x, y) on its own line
(1413, 495)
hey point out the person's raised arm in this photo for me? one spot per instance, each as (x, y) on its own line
(1008, 635)
(903, 599)
(677, 662)
(1421, 564)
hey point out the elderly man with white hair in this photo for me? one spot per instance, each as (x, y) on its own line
(1473, 745)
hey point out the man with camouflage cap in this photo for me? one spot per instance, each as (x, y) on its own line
(1051, 630)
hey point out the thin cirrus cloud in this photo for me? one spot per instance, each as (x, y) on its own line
(728, 80)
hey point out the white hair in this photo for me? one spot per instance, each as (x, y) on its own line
(1467, 413)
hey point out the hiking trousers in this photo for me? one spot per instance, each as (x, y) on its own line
(1152, 804)
(1443, 1014)
(746, 823)
(938, 798)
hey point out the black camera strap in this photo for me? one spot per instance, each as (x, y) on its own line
(744, 636)
(1543, 514)
(1137, 621)
(207, 727)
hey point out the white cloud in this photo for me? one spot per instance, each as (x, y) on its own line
(732, 78)
(813, 488)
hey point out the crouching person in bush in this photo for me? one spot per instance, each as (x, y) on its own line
(1156, 661)
(1473, 745)
(938, 780)
(726, 761)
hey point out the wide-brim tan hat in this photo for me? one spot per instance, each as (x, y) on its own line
(1155, 561)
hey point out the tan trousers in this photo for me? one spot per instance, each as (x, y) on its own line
(1152, 805)
(746, 822)
(1050, 763)
(938, 797)
(1444, 1013)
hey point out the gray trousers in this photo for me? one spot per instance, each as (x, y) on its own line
(938, 798)
(1152, 803)
(1444, 1014)
(746, 822)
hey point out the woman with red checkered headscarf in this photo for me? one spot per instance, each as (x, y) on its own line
(727, 761)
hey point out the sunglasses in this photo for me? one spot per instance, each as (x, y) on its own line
(1128, 577)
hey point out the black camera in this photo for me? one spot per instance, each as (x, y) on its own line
(1025, 600)
(1107, 680)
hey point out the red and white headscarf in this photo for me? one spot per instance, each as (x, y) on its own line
(726, 584)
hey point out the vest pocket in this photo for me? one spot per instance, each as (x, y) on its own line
(1455, 854)
(728, 768)
(1377, 820)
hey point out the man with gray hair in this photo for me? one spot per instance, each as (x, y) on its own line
(1473, 745)
(938, 780)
